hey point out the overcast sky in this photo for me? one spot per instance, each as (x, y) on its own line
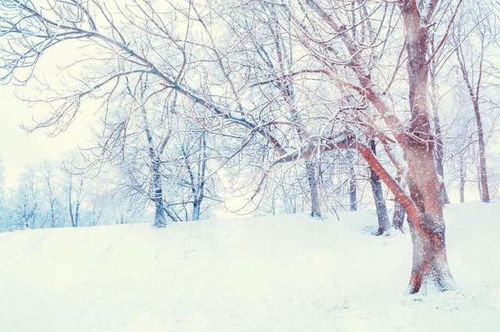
(19, 148)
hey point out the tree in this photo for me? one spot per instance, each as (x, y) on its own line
(49, 192)
(472, 68)
(27, 210)
(425, 212)
(74, 194)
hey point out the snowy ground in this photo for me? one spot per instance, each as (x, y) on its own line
(263, 274)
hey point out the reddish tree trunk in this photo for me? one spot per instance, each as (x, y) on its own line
(430, 264)
(398, 216)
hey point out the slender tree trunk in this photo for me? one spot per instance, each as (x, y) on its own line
(160, 219)
(398, 216)
(353, 199)
(312, 179)
(462, 179)
(157, 194)
(378, 196)
(483, 175)
(199, 193)
(287, 90)
(474, 93)
(77, 214)
(196, 210)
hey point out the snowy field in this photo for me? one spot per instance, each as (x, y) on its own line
(268, 274)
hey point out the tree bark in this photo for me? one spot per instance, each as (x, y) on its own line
(462, 179)
(430, 264)
(156, 185)
(157, 193)
(199, 187)
(378, 197)
(483, 175)
(312, 179)
(353, 199)
(398, 216)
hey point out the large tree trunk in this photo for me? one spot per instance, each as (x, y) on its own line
(430, 264)
(378, 197)
(353, 199)
(425, 216)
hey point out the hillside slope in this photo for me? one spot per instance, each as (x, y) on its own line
(284, 273)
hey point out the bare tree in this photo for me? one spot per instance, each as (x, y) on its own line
(425, 212)
(472, 68)
(74, 193)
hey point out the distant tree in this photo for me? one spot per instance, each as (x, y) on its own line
(27, 202)
(75, 194)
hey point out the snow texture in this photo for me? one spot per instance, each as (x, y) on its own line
(284, 273)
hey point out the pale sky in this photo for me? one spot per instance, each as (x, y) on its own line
(19, 148)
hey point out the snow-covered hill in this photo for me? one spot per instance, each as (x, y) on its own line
(284, 273)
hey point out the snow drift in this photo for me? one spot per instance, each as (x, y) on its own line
(283, 273)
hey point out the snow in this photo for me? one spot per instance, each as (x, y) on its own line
(284, 273)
